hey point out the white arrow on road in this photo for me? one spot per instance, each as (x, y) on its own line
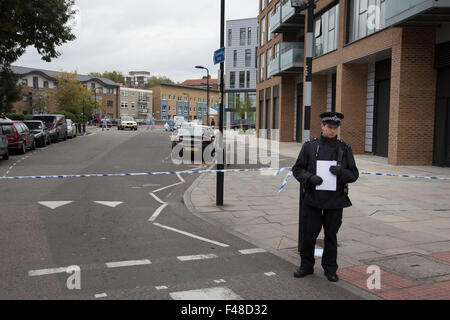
(111, 204)
(54, 204)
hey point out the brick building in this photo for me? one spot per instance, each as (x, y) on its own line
(137, 103)
(37, 84)
(171, 100)
(385, 64)
(202, 83)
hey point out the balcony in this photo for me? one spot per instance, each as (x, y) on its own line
(417, 13)
(143, 111)
(286, 19)
(143, 99)
(289, 61)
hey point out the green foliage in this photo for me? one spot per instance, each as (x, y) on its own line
(42, 24)
(68, 115)
(115, 76)
(10, 92)
(28, 117)
(155, 80)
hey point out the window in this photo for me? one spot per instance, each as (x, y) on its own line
(230, 37)
(365, 18)
(24, 82)
(163, 97)
(185, 99)
(125, 93)
(326, 31)
(123, 105)
(248, 57)
(109, 104)
(35, 82)
(269, 34)
(249, 36)
(261, 67)
(248, 79)
(132, 106)
(93, 86)
(263, 4)
(232, 79)
(45, 84)
(179, 98)
(235, 58)
(263, 31)
(242, 36)
(256, 57)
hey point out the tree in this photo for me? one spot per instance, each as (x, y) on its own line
(39, 23)
(155, 80)
(115, 76)
(10, 92)
(244, 109)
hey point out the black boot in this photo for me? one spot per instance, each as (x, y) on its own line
(332, 276)
(301, 273)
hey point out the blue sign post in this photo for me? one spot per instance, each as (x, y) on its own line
(219, 56)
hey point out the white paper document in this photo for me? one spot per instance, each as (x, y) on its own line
(329, 179)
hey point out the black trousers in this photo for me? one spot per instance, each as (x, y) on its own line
(311, 221)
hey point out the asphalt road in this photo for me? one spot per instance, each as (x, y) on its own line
(103, 228)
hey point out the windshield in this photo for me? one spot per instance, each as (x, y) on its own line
(7, 128)
(127, 119)
(46, 119)
(33, 125)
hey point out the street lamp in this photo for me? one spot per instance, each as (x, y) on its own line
(207, 92)
(301, 5)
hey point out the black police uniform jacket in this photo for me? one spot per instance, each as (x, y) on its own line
(328, 150)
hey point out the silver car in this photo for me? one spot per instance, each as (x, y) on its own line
(71, 129)
(3, 145)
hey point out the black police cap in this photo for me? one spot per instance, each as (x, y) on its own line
(333, 118)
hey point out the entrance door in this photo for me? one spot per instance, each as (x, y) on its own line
(299, 120)
(441, 154)
(381, 130)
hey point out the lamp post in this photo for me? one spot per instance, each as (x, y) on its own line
(207, 92)
(301, 5)
(221, 163)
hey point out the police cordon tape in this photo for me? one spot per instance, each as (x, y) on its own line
(289, 175)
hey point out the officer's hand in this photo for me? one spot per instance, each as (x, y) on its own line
(336, 170)
(316, 180)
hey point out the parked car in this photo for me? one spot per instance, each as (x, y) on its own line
(4, 153)
(71, 129)
(40, 131)
(56, 124)
(193, 138)
(127, 122)
(19, 136)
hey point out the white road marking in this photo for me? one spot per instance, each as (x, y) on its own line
(220, 281)
(130, 263)
(43, 272)
(101, 295)
(111, 204)
(252, 251)
(157, 212)
(217, 293)
(197, 257)
(181, 178)
(10, 168)
(270, 274)
(161, 288)
(192, 235)
(54, 204)
(172, 185)
(157, 199)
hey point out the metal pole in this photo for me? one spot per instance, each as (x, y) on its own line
(220, 165)
(207, 97)
(84, 120)
(308, 71)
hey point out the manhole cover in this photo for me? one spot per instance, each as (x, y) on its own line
(414, 266)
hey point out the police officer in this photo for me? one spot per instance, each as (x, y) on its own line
(323, 208)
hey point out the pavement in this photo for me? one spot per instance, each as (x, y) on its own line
(399, 225)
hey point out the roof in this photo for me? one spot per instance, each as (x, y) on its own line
(51, 74)
(184, 86)
(200, 82)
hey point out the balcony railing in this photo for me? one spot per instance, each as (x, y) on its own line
(417, 13)
(289, 61)
(143, 110)
(286, 19)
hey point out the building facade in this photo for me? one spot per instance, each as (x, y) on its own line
(384, 64)
(190, 102)
(202, 83)
(137, 103)
(240, 68)
(137, 79)
(37, 84)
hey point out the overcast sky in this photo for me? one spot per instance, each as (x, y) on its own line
(165, 37)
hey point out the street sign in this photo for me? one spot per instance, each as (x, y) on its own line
(219, 56)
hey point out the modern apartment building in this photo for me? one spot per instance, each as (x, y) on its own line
(240, 68)
(37, 84)
(191, 102)
(137, 103)
(384, 64)
(137, 79)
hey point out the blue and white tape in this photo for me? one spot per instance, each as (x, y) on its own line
(404, 176)
(277, 171)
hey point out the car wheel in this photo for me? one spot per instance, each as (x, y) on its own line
(6, 155)
(33, 145)
(65, 137)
